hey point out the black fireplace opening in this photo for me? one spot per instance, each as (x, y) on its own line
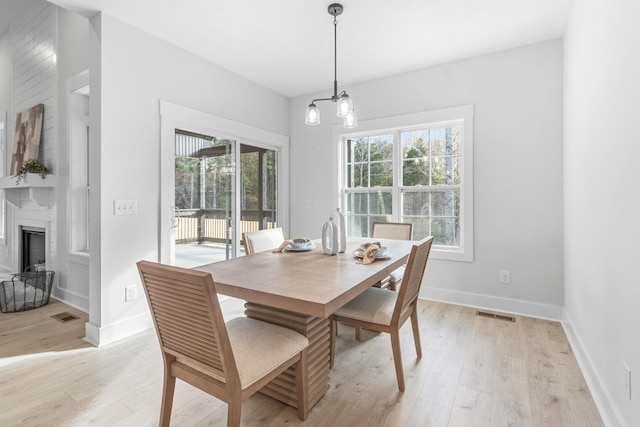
(33, 249)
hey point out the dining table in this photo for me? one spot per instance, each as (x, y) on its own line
(300, 289)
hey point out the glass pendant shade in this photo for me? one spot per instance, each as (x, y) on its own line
(351, 121)
(312, 115)
(345, 106)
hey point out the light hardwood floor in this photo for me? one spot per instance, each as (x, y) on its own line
(474, 371)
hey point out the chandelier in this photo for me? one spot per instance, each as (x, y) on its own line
(345, 108)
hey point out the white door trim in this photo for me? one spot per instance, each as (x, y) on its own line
(172, 117)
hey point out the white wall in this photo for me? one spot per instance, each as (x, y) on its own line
(517, 98)
(130, 73)
(6, 77)
(602, 288)
(6, 74)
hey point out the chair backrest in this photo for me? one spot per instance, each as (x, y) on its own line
(262, 240)
(392, 230)
(188, 320)
(412, 280)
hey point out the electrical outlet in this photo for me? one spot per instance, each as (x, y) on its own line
(505, 277)
(627, 379)
(130, 293)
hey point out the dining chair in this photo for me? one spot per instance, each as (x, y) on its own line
(230, 361)
(383, 311)
(392, 230)
(262, 240)
(389, 230)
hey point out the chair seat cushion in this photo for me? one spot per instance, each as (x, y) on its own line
(259, 347)
(374, 305)
(397, 275)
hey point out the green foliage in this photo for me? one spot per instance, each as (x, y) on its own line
(206, 182)
(429, 164)
(257, 184)
(31, 166)
(372, 161)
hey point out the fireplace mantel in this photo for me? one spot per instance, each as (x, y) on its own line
(36, 187)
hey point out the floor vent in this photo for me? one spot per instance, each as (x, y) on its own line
(496, 316)
(64, 317)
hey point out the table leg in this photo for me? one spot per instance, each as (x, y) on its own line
(283, 388)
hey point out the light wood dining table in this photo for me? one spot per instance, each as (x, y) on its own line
(300, 290)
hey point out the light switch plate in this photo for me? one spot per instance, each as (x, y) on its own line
(125, 207)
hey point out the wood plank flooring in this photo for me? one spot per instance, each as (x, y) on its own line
(475, 371)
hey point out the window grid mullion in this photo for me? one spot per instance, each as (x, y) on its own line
(398, 191)
(396, 194)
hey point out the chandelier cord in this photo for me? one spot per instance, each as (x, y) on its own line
(335, 57)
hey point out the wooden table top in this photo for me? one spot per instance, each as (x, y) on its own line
(308, 282)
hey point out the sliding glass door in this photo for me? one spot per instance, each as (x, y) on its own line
(258, 188)
(218, 180)
(223, 188)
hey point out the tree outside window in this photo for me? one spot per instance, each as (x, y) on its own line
(406, 176)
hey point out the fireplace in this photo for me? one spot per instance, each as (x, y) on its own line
(33, 248)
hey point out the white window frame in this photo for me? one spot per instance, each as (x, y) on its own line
(78, 216)
(3, 149)
(408, 122)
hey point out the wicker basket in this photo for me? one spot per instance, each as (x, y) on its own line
(26, 291)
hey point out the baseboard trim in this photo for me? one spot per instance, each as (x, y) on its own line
(506, 305)
(102, 335)
(92, 334)
(71, 298)
(601, 396)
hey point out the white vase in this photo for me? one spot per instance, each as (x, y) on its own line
(330, 237)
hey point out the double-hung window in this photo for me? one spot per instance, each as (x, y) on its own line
(419, 171)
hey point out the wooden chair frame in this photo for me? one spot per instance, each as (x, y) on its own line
(392, 230)
(195, 343)
(405, 307)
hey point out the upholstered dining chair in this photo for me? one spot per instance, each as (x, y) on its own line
(392, 230)
(262, 240)
(389, 230)
(230, 361)
(383, 311)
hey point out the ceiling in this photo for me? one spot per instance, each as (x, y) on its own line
(287, 45)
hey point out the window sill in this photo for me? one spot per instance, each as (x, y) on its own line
(451, 255)
(79, 257)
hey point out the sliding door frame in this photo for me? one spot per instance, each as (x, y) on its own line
(174, 117)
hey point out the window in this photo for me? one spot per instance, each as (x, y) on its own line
(417, 171)
(79, 172)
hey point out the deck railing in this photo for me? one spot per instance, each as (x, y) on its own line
(212, 225)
